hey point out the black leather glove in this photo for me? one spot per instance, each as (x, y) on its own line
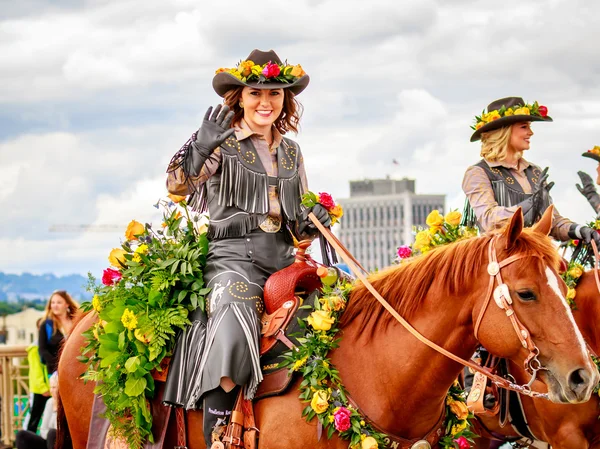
(533, 206)
(584, 233)
(215, 129)
(306, 226)
(589, 190)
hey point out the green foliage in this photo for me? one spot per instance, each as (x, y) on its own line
(140, 307)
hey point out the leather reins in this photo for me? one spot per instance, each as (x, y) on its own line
(501, 296)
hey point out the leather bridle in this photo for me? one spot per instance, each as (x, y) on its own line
(501, 297)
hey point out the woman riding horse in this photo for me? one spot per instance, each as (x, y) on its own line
(250, 178)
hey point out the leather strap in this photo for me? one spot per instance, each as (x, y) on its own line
(345, 255)
(181, 439)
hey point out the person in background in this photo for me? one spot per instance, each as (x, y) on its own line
(58, 322)
(39, 388)
(587, 187)
(26, 439)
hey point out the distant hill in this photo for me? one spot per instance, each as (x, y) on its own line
(22, 288)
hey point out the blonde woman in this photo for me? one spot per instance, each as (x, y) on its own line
(504, 180)
(57, 325)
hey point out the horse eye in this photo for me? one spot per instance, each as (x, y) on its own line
(526, 295)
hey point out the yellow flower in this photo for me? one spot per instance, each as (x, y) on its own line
(96, 303)
(142, 249)
(522, 111)
(129, 319)
(320, 320)
(202, 228)
(456, 428)
(508, 112)
(320, 401)
(337, 211)
(494, 115)
(453, 218)
(95, 331)
(369, 443)
(362, 423)
(571, 293)
(245, 67)
(176, 198)
(330, 418)
(333, 302)
(434, 218)
(235, 73)
(434, 230)
(134, 228)
(479, 125)
(220, 70)
(575, 272)
(117, 257)
(422, 240)
(460, 409)
(256, 70)
(299, 363)
(297, 71)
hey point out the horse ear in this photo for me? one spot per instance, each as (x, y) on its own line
(545, 224)
(514, 228)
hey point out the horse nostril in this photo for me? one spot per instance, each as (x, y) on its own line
(579, 379)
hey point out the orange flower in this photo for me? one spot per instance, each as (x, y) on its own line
(134, 228)
(298, 71)
(176, 198)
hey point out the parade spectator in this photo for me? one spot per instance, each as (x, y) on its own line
(250, 178)
(39, 388)
(58, 322)
(27, 439)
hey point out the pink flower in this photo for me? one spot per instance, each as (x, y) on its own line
(342, 419)
(271, 70)
(326, 200)
(404, 251)
(110, 276)
(463, 443)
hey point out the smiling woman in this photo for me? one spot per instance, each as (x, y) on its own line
(250, 179)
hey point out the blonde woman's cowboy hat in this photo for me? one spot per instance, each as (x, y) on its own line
(594, 153)
(290, 77)
(537, 113)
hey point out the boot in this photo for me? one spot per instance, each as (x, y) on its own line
(217, 406)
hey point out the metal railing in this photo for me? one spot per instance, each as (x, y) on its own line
(14, 390)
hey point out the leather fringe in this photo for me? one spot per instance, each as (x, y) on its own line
(242, 187)
(237, 225)
(289, 195)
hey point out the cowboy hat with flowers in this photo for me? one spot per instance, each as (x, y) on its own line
(594, 153)
(505, 112)
(261, 70)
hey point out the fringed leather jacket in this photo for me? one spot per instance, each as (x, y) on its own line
(237, 195)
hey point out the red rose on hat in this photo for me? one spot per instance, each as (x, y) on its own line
(271, 70)
(543, 110)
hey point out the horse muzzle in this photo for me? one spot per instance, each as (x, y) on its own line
(574, 388)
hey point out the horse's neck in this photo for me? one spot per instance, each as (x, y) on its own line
(394, 377)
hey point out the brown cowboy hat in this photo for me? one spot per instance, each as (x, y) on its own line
(224, 81)
(508, 102)
(592, 155)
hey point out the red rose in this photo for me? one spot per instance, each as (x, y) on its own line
(543, 110)
(111, 277)
(404, 251)
(463, 443)
(326, 200)
(342, 419)
(271, 70)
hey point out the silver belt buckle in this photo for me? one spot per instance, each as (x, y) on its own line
(271, 224)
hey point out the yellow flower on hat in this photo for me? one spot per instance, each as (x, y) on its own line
(494, 115)
(245, 67)
(479, 125)
(256, 70)
(522, 111)
(508, 112)
(297, 71)
(235, 73)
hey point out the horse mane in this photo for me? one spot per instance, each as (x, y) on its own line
(450, 267)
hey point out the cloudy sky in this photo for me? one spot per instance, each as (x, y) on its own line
(96, 96)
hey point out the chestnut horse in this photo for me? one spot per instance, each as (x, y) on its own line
(573, 426)
(399, 383)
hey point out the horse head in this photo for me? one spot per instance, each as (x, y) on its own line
(529, 311)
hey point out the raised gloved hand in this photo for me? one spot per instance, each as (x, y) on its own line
(584, 233)
(589, 190)
(539, 192)
(215, 129)
(306, 226)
